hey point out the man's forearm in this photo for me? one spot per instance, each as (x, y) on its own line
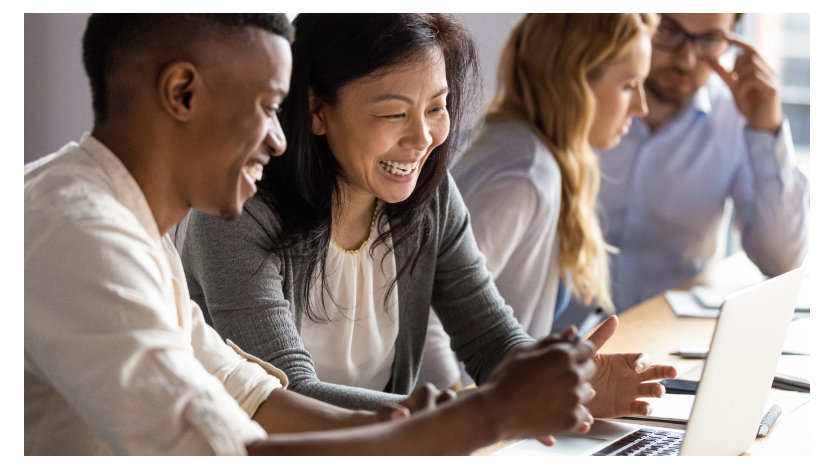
(285, 411)
(775, 222)
(453, 428)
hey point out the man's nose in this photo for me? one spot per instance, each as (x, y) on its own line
(275, 141)
(686, 57)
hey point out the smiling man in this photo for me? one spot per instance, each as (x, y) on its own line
(711, 135)
(118, 360)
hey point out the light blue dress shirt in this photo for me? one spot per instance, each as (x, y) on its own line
(664, 194)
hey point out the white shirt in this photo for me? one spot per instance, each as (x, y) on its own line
(117, 357)
(356, 345)
(512, 187)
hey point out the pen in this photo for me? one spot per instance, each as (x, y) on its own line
(592, 319)
(768, 420)
(689, 354)
(703, 355)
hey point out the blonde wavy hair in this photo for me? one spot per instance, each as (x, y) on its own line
(543, 81)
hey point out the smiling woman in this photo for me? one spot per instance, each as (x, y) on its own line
(401, 116)
(561, 91)
(358, 229)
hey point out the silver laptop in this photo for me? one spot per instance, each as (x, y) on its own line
(732, 392)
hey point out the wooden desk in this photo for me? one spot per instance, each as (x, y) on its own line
(652, 327)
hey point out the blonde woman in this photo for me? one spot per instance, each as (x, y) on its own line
(567, 83)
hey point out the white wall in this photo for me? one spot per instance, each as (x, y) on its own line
(58, 106)
(490, 31)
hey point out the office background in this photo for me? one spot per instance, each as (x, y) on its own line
(57, 97)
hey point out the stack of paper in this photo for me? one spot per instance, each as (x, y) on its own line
(685, 304)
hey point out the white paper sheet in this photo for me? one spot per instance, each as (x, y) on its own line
(684, 304)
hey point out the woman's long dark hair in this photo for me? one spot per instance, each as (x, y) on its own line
(330, 51)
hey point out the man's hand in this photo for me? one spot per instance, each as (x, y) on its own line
(541, 389)
(755, 88)
(425, 397)
(622, 378)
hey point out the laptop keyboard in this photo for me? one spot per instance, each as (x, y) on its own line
(645, 441)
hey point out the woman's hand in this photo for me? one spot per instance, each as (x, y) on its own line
(425, 397)
(622, 378)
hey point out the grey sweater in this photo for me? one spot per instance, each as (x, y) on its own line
(246, 290)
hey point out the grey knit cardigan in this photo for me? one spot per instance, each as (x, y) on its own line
(247, 292)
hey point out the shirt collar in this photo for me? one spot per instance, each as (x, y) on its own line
(124, 186)
(701, 101)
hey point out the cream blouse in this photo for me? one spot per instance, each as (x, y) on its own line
(355, 346)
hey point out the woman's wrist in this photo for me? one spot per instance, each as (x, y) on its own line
(355, 418)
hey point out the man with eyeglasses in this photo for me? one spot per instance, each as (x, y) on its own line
(714, 145)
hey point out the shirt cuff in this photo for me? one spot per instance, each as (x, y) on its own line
(269, 368)
(225, 435)
(769, 155)
(251, 388)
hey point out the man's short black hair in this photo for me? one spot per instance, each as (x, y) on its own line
(111, 35)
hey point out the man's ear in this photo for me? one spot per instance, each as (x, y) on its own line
(177, 84)
(317, 124)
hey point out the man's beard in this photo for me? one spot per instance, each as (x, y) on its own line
(668, 95)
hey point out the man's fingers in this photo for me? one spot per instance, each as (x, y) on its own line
(400, 413)
(583, 428)
(570, 332)
(755, 68)
(586, 393)
(547, 440)
(446, 395)
(726, 75)
(551, 340)
(746, 47)
(427, 397)
(551, 351)
(585, 420)
(392, 411)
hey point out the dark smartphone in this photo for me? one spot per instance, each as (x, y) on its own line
(679, 386)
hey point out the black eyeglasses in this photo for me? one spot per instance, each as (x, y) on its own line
(670, 36)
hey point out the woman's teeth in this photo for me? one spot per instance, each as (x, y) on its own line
(399, 169)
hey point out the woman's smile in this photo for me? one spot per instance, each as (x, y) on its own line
(399, 169)
(382, 129)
